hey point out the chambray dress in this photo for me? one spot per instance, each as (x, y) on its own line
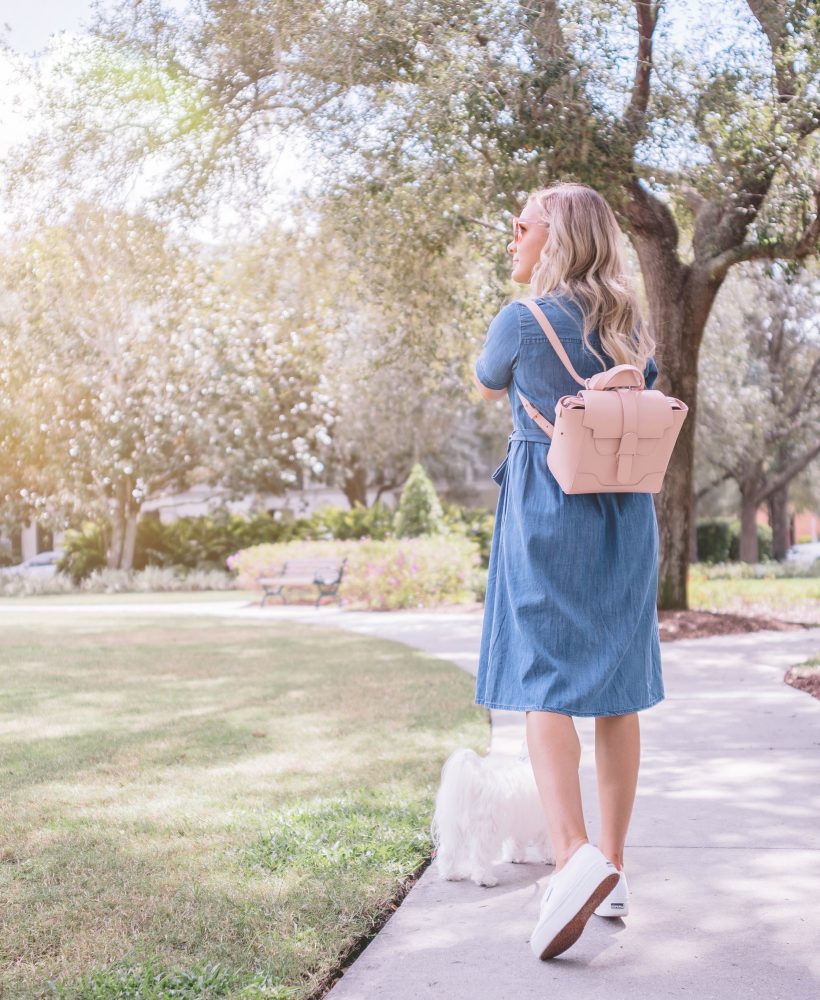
(570, 614)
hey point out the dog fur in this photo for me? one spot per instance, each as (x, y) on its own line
(487, 809)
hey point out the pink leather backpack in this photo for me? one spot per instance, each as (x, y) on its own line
(614, 436)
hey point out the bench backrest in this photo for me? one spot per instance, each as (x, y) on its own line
(304, 564)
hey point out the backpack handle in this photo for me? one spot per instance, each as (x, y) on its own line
(619, 377)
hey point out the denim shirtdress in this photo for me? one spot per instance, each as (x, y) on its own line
(570, 614)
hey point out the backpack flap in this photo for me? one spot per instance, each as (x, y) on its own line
(627, 423)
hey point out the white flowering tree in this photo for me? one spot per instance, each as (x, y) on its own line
(131, 368)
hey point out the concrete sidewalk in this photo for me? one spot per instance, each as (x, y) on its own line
(723, 854)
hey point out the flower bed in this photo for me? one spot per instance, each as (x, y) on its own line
(379, 575)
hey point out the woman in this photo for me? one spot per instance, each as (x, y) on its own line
(570, 621)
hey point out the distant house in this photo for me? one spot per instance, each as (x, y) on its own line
(204, 499)
(804, 526)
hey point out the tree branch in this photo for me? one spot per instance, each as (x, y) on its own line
(771, 16)
(786, 475)
(634, 115)
(699, 494)
(649, 216)
(814, 372)
(806, 244)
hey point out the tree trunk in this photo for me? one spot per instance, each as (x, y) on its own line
(779, 521)
(114, 553)
(120, 553)
(679, 302)
(748, 522)
(130, 540)
(354, 486)
(680, 298)
(693, 531)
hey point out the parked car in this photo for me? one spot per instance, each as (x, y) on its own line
(805, 552)
(43, 564)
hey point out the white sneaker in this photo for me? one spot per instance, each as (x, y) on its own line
(616, 903)
(570, 897)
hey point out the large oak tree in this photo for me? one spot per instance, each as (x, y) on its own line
(435, 117)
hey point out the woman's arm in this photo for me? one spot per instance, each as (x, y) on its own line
(499, 355)
(486, 393)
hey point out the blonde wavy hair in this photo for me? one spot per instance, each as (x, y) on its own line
(583, 258)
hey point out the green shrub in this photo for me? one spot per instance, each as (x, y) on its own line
(375, 521)
(473, 522)
(713, 537)
(719, 540)
(84, 552)
(379, 575)
(204, 541)
(419, 512)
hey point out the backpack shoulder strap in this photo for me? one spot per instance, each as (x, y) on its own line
(553, 338)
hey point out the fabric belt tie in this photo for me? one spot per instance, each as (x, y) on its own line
(520, 435)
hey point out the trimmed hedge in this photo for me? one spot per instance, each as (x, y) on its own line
(718, 540)
(205, 542)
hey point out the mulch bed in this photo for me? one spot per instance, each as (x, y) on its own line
(804, 679)
(702, 624)
(680, 624)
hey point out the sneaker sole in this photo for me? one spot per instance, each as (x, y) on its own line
(616, 909)
(572, 930)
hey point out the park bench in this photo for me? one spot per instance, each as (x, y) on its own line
(323, 572)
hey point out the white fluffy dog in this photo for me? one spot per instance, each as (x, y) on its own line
(487, 809)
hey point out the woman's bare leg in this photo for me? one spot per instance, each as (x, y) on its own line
(555, 755)
(617, 760)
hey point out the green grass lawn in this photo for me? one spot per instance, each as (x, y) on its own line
(208, 808)
(789, 598)
(157, 597)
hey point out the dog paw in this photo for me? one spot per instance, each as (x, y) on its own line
(488, 880)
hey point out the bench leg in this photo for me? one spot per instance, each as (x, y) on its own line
(328, 590)
(273, 593)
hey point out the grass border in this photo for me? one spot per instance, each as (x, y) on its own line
(381, 918)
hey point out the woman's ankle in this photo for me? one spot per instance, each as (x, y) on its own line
(572, 847)
(615, 857)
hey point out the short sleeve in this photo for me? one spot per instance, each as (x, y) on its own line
(650, 373)
(499, 354)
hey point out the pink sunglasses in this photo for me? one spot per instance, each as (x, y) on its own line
(519, 227)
